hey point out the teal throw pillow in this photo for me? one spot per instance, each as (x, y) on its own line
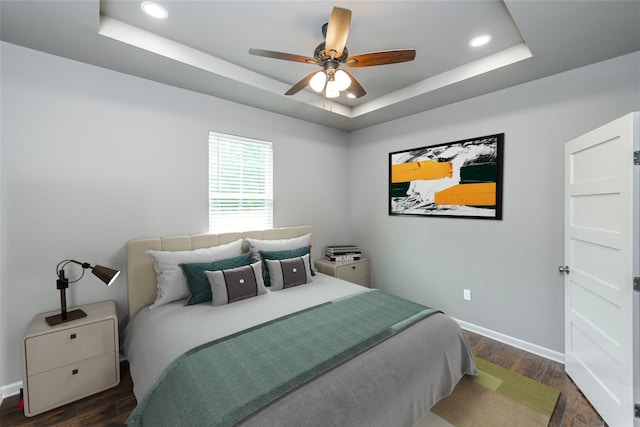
(199, 283)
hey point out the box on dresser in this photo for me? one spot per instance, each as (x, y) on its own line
(342, 253)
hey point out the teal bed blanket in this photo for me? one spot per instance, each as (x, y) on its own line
(224, 381)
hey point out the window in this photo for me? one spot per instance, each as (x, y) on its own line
(240, 183)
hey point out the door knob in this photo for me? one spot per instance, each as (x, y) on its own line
(564, 269)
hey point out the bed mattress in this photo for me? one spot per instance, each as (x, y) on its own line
(394, 383)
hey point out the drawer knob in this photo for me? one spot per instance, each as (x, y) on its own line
(73, 336)
(353, 267)
(75, 371)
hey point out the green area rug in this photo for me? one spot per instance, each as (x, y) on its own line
(497, 397)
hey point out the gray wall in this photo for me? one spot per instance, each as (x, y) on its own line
(510, 266)
(92, 158)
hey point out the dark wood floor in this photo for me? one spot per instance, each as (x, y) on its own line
(111, 408)
(572, 410)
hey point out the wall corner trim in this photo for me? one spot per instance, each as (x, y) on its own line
(514, 342)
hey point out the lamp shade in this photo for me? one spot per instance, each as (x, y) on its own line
(332, 89)
(343, 81)
(106, 274)
(317, 81)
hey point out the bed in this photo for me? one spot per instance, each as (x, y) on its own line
(393, 382)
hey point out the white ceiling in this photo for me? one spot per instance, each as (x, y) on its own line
(203, 46)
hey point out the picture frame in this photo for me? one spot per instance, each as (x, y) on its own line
(460, 179)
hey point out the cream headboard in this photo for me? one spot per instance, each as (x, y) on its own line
(141, 274)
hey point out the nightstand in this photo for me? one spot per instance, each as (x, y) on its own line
(351, 271)
(69, 361)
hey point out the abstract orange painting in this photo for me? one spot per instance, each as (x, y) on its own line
(454, 179)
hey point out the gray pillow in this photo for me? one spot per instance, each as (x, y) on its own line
(172, 285)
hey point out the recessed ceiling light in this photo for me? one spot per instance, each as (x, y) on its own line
(480, 40)
(154, 10)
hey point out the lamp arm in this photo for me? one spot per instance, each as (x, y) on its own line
(62, 264)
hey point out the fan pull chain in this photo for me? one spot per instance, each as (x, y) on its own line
(324, 99)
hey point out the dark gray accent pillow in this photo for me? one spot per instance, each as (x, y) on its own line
(236, 284)
(284, 254)
(287, 273)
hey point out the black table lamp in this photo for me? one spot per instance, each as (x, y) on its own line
(107, 275)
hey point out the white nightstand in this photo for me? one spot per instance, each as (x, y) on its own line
(351, 271)
(69, 361)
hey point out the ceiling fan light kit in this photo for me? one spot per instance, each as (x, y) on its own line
(333, 83)
(331, 55)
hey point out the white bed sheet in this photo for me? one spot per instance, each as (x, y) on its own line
(154, 338)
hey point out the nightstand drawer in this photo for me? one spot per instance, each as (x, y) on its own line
(352, 271)
(68, 383)
(50, 351)
(357, 272)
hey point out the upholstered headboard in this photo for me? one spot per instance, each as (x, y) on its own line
(141, 274)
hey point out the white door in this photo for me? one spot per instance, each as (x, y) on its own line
(601, 259)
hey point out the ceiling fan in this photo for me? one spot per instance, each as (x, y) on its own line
(332, 54)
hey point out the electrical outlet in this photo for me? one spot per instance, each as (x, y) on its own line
(467, 294)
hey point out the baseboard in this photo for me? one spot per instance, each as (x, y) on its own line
(514, 342)
(10, 390)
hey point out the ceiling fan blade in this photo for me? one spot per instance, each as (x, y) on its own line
(300, 85)
(281, 55)
(337, 31)
(380, 58)
(355, 88)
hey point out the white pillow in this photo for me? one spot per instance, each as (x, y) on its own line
(255, 245)
(287, 273)
(236, 284)
(172, 285)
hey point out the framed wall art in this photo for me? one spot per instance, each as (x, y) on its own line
(461, 179)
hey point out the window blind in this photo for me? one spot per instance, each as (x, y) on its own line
(240, 183)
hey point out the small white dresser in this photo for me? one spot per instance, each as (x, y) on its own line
(352, 271)
(69, 361)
